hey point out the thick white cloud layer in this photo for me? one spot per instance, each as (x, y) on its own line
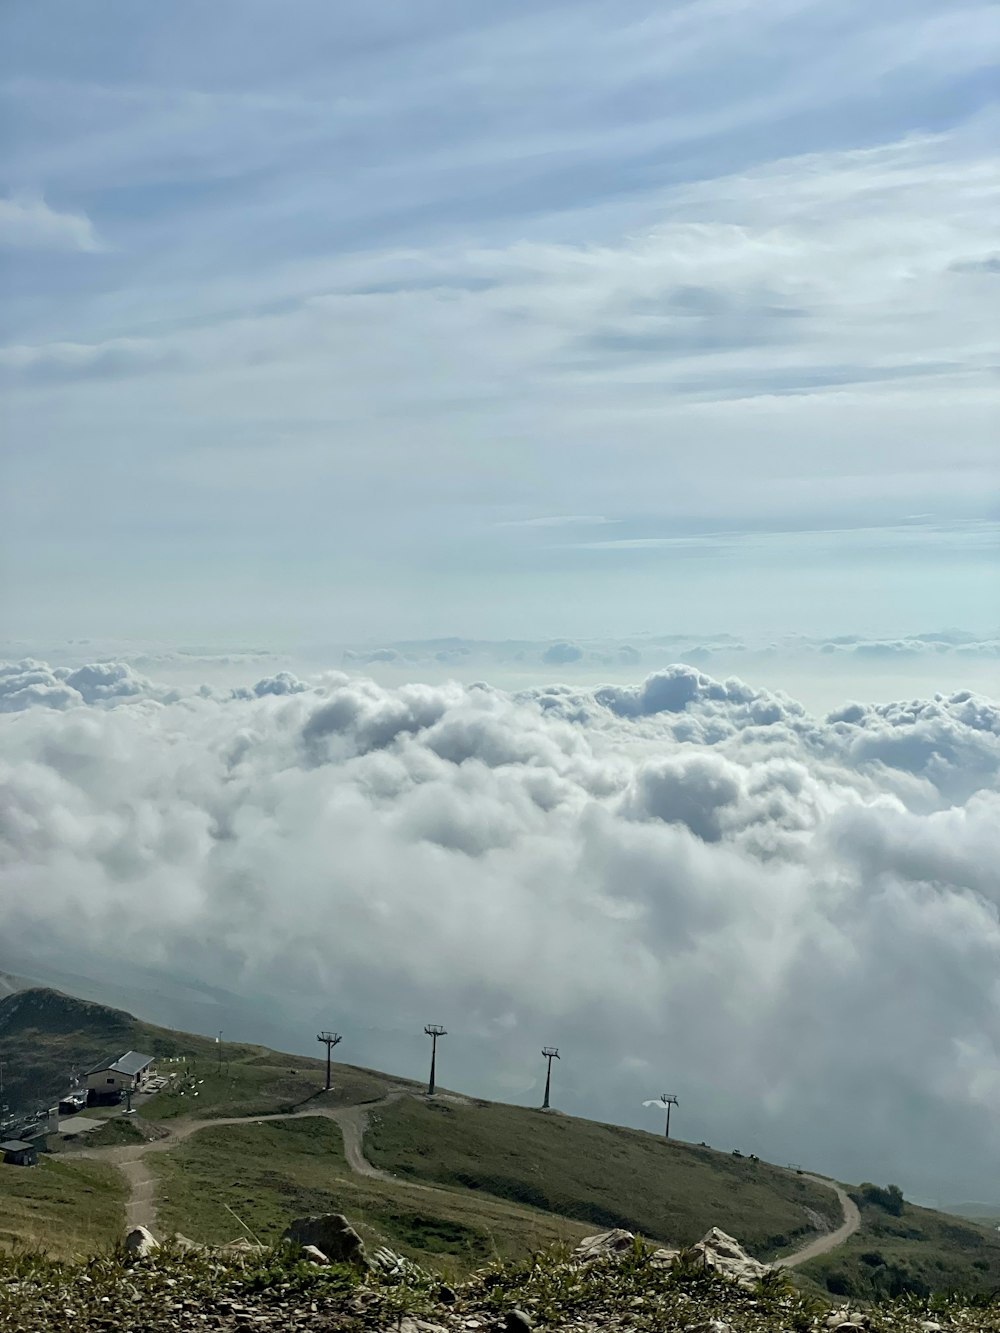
(687, 881)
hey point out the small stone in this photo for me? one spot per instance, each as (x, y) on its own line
(313, 1255)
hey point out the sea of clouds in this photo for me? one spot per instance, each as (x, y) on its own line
(791, 921)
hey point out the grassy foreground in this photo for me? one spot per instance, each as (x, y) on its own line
(602, 1175)
(274, 1290)
(68, 1208)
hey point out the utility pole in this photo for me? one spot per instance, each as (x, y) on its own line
(219, 1040)
(551, 1053)
(668, 1099)
(434, 1030)
(329, 1040)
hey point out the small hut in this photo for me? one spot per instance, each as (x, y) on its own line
(18, 1153)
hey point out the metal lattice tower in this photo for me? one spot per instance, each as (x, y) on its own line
(329, 1040)
(668, 1099)
(551, 1053)
(434, 1030)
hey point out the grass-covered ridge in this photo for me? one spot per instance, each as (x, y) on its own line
(241, 1180)
(468, 1180)
(602, 1175)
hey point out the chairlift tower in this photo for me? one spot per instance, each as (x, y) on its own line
(329, 1040)
(668, 1099)
(551, 1053)
(434, 1030)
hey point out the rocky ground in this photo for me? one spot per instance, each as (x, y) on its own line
(612, 1283)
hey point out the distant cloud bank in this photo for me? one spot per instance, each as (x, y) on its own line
(786, 912)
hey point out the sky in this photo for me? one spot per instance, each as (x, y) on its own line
(508, 321)
(499, 526)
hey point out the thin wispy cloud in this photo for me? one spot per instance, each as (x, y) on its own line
(27, 222)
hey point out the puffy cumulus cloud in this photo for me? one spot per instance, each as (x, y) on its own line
(783, 912)
(28, 683)
(283, 682)
(560, 653)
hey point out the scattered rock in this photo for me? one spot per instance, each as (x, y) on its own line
(727, 1256)
(140, 1242)
(663, 1258)
(603, 1245)
(332, 1235)
(516, 1321)
(393, 1265)
(313, 1255)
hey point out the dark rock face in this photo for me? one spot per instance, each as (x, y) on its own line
(332, 1235)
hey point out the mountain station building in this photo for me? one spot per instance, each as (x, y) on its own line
(107, 1081)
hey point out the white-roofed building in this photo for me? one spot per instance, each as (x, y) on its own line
(118, 1074)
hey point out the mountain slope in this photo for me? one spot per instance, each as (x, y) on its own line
(9, 984)
(604, 1175)
(462, 1177)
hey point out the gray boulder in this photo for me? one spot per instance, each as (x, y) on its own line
(332, 1235)
(140, 1243)
(603, 1245)
(727, 1256)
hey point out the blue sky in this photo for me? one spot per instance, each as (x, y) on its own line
(512, 320)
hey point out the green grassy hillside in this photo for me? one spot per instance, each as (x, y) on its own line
(472, 1179)
(263, 1175)
(603, 1175)
(63, 1207)
(919, 1251)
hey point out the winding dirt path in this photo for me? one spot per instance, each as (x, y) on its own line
(130, 1159)
(140, 1208)
(830, 1241)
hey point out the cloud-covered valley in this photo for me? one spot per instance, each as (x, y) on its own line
(790, 920)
